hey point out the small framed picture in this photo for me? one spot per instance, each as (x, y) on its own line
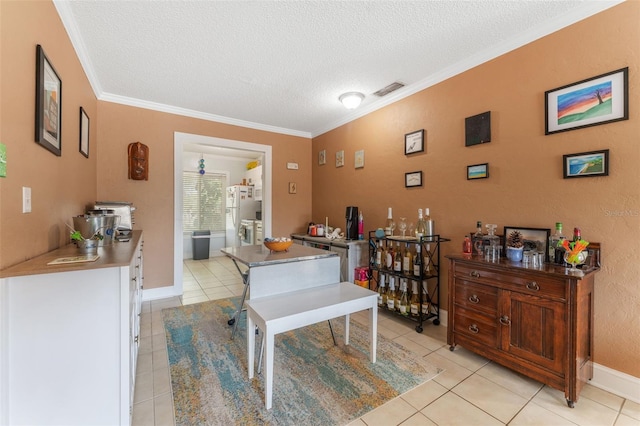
(412, 179)
(359, 159)
(586, 164)
(477, 129)
(48, 104)
(596, 100)
(478, 171)
(322, 157)
(414, 142)
(84, 133)
(340, 158)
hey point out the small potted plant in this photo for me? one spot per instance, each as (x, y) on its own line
(515, 246)
(87, 245)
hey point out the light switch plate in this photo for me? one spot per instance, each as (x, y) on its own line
(26, 199)
(292, 166)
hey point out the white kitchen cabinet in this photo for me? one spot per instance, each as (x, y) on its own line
(70, 336)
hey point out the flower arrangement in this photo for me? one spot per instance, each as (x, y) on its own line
(573, 250)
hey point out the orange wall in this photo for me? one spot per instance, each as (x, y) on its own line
(60, 186)
(525, 187)
(153, 199)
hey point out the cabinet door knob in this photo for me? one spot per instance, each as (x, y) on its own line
(475, 274)
(474, 298)
(474, 329)
(532, 285)
(504, 320)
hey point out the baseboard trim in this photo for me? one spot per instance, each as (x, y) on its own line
(616, 382)
(160, 293)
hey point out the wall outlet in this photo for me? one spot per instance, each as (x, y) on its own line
(292, 166)
(26, 199)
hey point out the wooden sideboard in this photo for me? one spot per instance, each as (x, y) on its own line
(536, 321)
(70, 337)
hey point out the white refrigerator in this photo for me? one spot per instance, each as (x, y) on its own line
(240, 204)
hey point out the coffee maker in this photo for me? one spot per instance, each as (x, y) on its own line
(351, 232)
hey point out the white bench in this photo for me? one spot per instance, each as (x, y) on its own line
(288, 311)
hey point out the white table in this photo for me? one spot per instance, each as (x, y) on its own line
(291, 310)
(273, 273)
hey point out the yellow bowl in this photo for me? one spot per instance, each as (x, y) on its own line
(278, 245)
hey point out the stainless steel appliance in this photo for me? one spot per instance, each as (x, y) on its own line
(125, 221)
(240, 204)
(247, 232)
(351, 232)
(259, 234)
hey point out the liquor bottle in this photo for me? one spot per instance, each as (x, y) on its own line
(421, 228)
(414, 304)
(388, 229)
(389, 256)
(360, 226)
(466, 245)
(556, 252)
(476, 239)
(382, 291)
(417, 261)
(428, 222)
(391, 294)
(397, 258)
(403, 300)
(577, 235)
(407, 260)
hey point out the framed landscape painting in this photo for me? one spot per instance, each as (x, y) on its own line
(585, 164)
(590, 102)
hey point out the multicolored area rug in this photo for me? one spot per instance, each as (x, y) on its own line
(315, 382)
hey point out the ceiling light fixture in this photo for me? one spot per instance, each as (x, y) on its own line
(351, 100)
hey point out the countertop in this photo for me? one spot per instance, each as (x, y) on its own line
(253, 256)
(119, 253)
(338, 242)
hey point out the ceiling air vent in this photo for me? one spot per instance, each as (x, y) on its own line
(390, 88)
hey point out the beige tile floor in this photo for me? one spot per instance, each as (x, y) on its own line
(470, 391)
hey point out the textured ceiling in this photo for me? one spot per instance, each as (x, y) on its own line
(281, 65)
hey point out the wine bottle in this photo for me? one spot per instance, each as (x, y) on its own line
(427, 260)
(426, 301)
(417, 262)
(556, 252)
(397, 258)
(382, 291)
(407, 260)
(388, 230)
(403, 300)
(428, 222)
(421, 228)
(389, 256)
(414, 305)
(379, 255)
(391, 294)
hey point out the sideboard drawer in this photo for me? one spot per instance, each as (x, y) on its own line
(479, 327)
(478, 297)
(538, 285)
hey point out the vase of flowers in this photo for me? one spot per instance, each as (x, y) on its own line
(574, 254)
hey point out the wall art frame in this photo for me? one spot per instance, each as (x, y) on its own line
(322, 157)
(477, 129)
(48, 129)
(586, 164)
(359, 159)
(413, 179)
(478, 171)
(597, 100)
(414, 142)
(84, 133)
(534, 239)
(340, 158)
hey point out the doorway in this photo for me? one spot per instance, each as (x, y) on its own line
(185, 139)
